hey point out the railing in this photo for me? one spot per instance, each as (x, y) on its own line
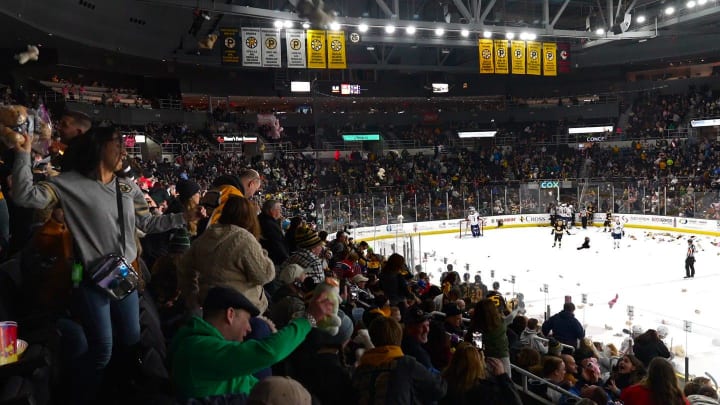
(173, 148)
(170, 104)
(529, 379)
(383, 205)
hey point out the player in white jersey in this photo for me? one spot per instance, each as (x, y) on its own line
(474, 219)
(617, 232)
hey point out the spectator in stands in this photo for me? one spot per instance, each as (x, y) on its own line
(387, 375)
(210, 356)
(571, 370)
(659, 387)
(415, 335)
(629, 371)
(289, 299)
(228, 253)
(469, 383)
(71, 125)
(295, 223)
(279, 390)
(487, 320)
(392, 281)
(564, 327)
(308, 254)
(553, 370)
(85, 193)
(338, 246)
(530, 337)
(648, 346)
(703, 395)
(272, 235)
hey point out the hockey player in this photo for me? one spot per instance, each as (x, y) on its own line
(617, 233)
(558, 231)
(474, 219)
(607, 225)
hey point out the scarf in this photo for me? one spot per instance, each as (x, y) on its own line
(380, 355)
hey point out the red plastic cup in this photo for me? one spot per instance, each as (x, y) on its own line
(8, 342)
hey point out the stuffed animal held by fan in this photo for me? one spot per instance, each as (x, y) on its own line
(331, 323)
(32, 53)
(14, 120)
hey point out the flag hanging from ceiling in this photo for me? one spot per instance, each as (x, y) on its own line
(295, 47)
(563, 50)
(485, 50)
(534, 57)
(549, 59)
(336, 50)
(271, 54)
(230, 53)
(518, 57)
(251, 49)
(501, 56)
(316, 55)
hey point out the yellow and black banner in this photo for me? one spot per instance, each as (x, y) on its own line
(518, 57)
(501, 56)
(230, 47)
(549, 59)
(336, 50)
(485, 49)
(316, 49)
(534, 57)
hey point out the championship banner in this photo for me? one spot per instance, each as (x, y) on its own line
(251, 49)
(336, 50)
(485, 49)
(518, 57)
(316, 49)
(295, 47)
(501, 56)
(229, 38)
(549, 59)
(271, 55)
(534, 52)
(563, 57)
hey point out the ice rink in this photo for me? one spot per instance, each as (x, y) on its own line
(646, 272)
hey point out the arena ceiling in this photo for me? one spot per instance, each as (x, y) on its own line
(159, 29)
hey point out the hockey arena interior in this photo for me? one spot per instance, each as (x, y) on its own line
(359, 202)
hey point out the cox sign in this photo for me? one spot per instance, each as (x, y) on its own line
(549, 184)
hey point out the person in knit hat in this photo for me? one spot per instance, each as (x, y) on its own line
(309, 247)
(279, 391)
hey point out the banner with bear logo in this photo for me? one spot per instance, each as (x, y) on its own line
(487, 64)
(336, 50)
(251, 48)
(316, 55)
(501, 56)
(295, 47)
(271, 55)
(534, 64)
(518, 57)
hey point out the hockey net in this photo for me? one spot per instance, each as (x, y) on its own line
(464, 228)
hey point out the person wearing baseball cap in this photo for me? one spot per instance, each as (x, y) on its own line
(210, 357)
(417, 327)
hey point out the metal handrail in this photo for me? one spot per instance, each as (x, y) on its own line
(524, 387)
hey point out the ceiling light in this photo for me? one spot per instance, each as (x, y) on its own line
(334, 25)
(287, 24)
(531, 36)
(640, 19)
(464, 33)
(389, 28)
(306, 25)
(690, 4)
(510, 35)
(410, 29)
(439, 31)
(600, 31)
(523, 36)
(278, 24)
(363, 27)
(670, 10)
(487, 34)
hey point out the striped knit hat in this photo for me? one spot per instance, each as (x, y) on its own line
(306, 238)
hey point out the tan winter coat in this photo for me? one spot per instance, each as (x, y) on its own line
(225, 255)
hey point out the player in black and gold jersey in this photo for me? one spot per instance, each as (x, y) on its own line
(559, 230)
(607, 225)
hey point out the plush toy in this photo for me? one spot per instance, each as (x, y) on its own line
(313, 10)
(208, 42)
(32, 53)
(331, 323)
(12, 120)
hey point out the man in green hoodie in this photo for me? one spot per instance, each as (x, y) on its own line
(209, 356)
